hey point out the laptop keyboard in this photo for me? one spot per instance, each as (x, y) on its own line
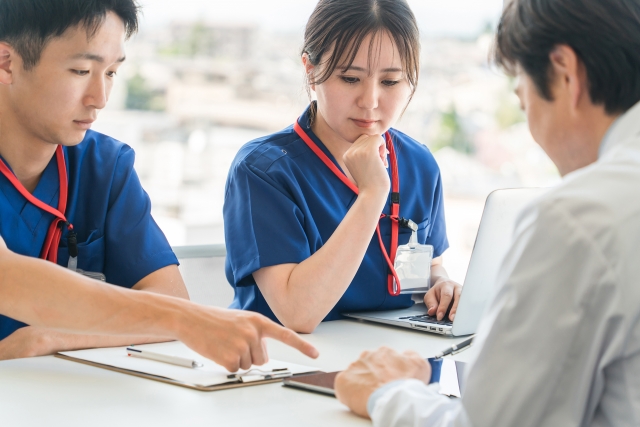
(425, 318)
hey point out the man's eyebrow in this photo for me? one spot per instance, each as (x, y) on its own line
(386, 70)
(94, 57)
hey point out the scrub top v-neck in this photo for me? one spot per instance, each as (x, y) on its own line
(109, 210)
(282, 204)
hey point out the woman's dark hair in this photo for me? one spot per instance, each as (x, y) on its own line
(605, 34)
(340, 27)
(28, 25)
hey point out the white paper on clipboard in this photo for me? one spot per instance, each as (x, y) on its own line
(209, 375)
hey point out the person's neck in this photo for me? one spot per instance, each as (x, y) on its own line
(27, 155)
(583, 147)
(336, 145)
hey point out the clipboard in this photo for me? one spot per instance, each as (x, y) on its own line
(169, 380)
(104, 358)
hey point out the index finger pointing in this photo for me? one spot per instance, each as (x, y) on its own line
(290, 338)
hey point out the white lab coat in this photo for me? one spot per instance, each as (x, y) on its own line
(560, 339)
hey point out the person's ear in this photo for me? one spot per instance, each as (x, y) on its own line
(309, 69)
(569, 74)
(6, 63)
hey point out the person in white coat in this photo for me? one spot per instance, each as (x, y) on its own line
(560, 341)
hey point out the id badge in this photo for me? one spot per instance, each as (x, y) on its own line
(93, 275)
(413, 266)
(73, 266)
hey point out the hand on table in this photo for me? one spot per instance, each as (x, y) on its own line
(26, 342)
(355, 385)
(441, 295)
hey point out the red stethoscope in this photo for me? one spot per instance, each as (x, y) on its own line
(395, 201)
(52, 240)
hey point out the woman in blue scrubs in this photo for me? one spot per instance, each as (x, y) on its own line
(303, 206)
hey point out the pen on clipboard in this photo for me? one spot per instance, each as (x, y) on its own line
(174, 360)
(463, 345)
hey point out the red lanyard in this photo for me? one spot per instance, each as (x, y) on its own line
(52, 241)
(395, 200)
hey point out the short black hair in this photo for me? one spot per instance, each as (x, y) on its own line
(28, 25)
(605, 34)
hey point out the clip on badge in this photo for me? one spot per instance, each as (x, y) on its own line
(72, 243)
(73, 266)
(413, 263)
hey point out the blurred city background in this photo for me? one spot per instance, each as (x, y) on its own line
(202, 78)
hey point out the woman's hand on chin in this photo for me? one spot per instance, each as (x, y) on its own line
(366, 161)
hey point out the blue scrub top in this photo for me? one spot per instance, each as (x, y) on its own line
(282, 204)
(110, 212)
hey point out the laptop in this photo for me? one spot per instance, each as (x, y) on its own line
(493, 241)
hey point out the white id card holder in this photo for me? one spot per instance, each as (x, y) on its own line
(413, 266)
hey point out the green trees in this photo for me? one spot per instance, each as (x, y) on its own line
(141, 97)
(451, 133)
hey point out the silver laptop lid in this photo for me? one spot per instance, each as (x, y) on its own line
(494, 239)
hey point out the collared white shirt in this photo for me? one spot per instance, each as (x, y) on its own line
(561, 337)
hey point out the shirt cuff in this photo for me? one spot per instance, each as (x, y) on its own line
(373, 399)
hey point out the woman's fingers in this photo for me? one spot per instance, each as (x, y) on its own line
(366, 160)
(440, 296)
(446, 296)
(383, 154)
(431, 301)
(456, 300)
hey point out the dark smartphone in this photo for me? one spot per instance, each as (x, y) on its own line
(451, 380)
(321, 382)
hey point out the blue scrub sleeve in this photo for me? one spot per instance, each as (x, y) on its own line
(135, 246)
(437, 236)
(263, 225)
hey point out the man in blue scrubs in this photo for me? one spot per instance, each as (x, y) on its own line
(58, 61)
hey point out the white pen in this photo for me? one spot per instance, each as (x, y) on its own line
(174, 360)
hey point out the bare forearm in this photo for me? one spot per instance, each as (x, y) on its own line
(438, 273)
(52, 296)
(317, 284)
(60, 341)
(43, 294)
(165, 281)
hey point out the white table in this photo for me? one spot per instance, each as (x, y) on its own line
(55, 392)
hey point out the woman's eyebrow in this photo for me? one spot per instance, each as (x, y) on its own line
(385, 70)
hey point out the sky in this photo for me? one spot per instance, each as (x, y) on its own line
(436, 17)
